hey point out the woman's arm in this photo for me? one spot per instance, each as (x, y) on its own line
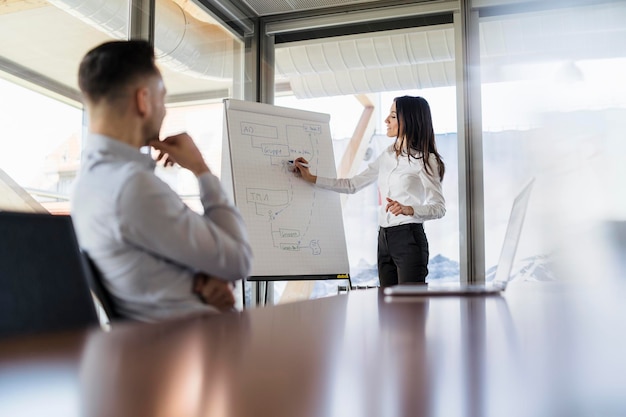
(341, 185)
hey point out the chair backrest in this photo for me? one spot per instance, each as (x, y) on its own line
(43, 284)
(94, 279)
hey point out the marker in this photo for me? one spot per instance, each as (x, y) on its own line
(304, 165)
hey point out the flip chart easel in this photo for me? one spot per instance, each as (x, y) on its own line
(296, 229)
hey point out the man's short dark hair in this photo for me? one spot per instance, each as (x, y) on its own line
(107, 69)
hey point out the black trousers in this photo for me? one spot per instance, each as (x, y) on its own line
(402, 254)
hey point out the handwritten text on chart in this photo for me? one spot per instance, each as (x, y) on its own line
(255, 129)
(267, 197)
(289, 233)
(273, 149)
(312, 129)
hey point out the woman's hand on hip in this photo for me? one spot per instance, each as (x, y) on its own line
(396, 208)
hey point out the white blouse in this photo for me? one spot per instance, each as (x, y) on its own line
(400, 179)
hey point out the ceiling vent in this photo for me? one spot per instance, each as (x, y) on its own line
(182, 42)
(409, 59)
(404, 77)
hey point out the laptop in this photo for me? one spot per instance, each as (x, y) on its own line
(503, 269)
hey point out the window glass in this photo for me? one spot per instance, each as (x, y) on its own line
(203, 122)
(41, 138)
(553, 108)
(40, 112)
(337, 76)
(197, 57)
(41, 102)
(195, 52)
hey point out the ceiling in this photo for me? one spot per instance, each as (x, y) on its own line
(195, 52)
(44, 40)
(277, 7)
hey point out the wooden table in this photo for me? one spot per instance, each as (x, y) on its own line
(539, 350)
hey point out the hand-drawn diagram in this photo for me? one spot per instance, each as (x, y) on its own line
(274, 201)
(295, 228)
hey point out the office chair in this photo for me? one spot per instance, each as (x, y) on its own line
(94, 279)
(43, 286)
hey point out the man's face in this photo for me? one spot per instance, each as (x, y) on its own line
(157, 92)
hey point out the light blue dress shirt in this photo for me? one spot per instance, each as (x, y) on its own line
(145, 240)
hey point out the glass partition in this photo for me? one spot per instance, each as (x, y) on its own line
(200, 61)
(40, 111)
(347, 77)
(553, 107)
(43, 43)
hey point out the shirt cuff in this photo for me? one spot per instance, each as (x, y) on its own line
(211, 191)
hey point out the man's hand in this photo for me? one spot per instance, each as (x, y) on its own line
(180, 149)
(214, 291)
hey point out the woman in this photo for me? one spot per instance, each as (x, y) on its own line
(409, 175)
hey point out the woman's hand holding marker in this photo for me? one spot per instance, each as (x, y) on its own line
(302, 168)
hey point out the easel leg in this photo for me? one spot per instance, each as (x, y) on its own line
(244, 305)
(260, 293)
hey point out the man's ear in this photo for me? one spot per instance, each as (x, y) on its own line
(142, 98)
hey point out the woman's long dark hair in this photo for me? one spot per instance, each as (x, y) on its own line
(415, 125)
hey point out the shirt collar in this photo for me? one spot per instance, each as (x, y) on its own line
(107, 146)
(414, 153)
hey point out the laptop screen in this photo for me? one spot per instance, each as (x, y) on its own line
(513, 232)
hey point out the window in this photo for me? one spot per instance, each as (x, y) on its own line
(343, 76)
(198, 59)
(41, 106)
(552, 107)
(40, 111)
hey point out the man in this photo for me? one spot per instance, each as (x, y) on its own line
(158, 258)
